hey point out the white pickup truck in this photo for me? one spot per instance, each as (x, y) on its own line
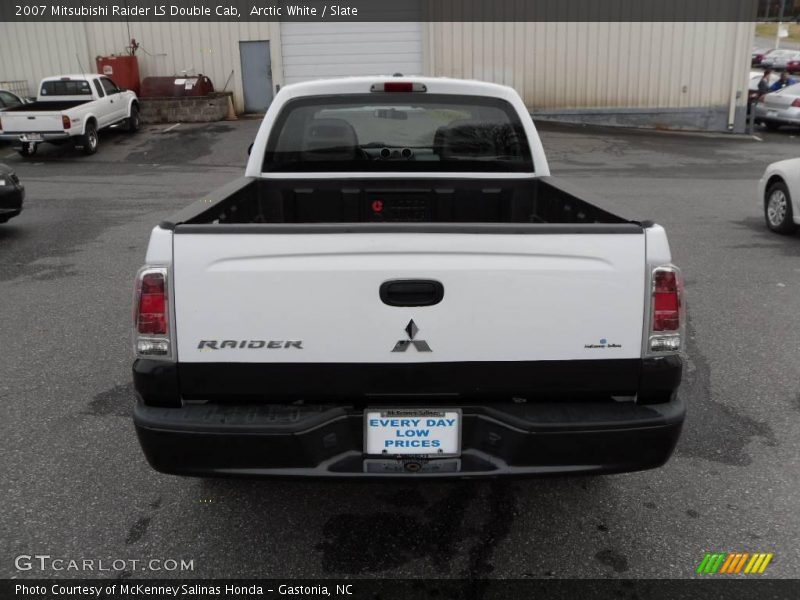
(70, 108)
(397, 287)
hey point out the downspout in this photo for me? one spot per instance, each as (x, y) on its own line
(738, 78)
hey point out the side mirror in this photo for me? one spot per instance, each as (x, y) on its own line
(250, 148)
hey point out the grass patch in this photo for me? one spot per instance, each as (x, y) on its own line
(769, 30)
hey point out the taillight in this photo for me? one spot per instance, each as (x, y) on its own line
(796, 103)
(666, 301)
(398, 86)
(65, 121)
(151, 316)
(666, 315)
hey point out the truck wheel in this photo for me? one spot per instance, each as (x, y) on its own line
(89, 140)
(132, 122)
(778, 209)
(28, 149)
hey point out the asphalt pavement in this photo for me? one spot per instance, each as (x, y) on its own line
(76, 486)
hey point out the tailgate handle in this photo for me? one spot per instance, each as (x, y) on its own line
(412, 292)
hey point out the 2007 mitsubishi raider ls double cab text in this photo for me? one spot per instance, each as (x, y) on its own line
(398, 288)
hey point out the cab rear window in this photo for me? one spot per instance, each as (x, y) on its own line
(73, 87)
(398, 132)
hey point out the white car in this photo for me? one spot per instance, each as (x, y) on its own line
(779, 194)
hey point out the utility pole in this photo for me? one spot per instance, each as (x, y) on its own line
(780, 25)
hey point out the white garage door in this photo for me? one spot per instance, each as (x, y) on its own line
(314, 50)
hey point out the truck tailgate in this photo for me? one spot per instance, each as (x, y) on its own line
(314, 298)
(39, 122)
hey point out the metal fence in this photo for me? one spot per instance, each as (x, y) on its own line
(20, 88)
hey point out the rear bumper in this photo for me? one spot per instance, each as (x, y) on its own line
(326, 440)
(788, 116)
(46, 137)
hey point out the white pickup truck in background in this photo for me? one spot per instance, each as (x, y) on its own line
(397, 287)
(70, 108)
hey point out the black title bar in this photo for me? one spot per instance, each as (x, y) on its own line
(709, 588)
(380, 10)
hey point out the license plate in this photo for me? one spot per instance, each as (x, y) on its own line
(772, 113)
(31, 137)
(412, 432)
(2, 182)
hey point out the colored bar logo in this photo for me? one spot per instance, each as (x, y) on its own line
(732, 563)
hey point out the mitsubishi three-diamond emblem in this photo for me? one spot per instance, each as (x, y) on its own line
(411, 331)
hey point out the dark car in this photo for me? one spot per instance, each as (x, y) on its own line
(10, 100)
(11, 194)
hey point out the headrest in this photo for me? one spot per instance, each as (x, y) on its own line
(329, 139)
(464, 139)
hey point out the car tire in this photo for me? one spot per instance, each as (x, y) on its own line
(89, 140)
(778, 209)
(772, 126)
(28, 149)
(132, 122)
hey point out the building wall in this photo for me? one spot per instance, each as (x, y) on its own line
(194, 47)
(598, 71)
(683, 75)
(314, 50)
(31, 51)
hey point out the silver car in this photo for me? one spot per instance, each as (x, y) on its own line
(779, 108)
(777, 59)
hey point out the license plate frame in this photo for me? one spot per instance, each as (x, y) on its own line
(395, 466)
(31, 137)
(450, 437)
(772, 114)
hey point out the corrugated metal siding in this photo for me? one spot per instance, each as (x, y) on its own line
(194, 47)
(314, 50)
(553, 65)
(591, 64)
(33, 51)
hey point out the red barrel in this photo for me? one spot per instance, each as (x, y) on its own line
(176, 86)
(123, 70)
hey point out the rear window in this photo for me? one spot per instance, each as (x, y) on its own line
(398, 132)
(73, 87)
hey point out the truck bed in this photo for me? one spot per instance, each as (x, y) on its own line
(371, 201)
(41, 106)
